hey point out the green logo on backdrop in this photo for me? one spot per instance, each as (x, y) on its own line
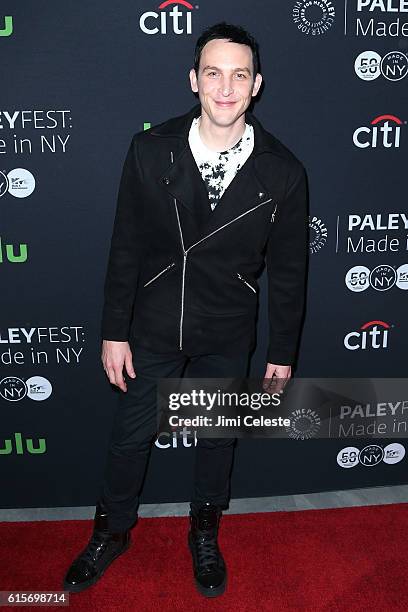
(7, 253)
(8, 26)
(19, 445)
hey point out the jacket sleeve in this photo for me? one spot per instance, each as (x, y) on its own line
(125, 251)
(286, 262)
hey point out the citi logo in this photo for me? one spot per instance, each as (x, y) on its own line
(185, 438)
(384, 131)
(17, 445)
(176, 20)
(373, 334)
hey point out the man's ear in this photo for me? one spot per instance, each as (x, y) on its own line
(257, 84)
(193, 80)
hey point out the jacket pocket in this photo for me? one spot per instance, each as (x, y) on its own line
(159, 274)
(245, 282)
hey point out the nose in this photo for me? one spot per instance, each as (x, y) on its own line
(226, 87)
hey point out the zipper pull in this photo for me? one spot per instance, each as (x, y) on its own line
(246, 282)
(273, 214)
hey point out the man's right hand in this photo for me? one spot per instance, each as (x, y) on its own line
(115, 355)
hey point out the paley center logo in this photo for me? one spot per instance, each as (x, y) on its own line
(380, 278)
(371, 335)
(19, 183)
(384, 131)
(14, 389)
(376, 18)
(317, 234)
(393, 66)
(313, 16)
(177, 20)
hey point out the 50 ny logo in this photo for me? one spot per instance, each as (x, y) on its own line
(8, 26)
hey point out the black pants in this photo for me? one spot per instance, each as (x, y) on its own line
(134, 431)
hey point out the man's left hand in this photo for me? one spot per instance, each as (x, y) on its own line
(276, 377)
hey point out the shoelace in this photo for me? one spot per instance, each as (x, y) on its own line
(97, 539)
(207, 550)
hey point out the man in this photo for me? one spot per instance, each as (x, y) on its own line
(203, 199)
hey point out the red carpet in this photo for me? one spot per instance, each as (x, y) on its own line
(345, 560)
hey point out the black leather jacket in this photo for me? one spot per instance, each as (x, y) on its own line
(183, 277)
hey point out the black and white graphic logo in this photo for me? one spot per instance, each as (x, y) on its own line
(304, 424)
(19, 183)
(313, 17)
(370, 455)
(393, 66)
(380, 278)
(367, 65)
(393, 453)
(318, 234)
(14, 389)
(4, 183)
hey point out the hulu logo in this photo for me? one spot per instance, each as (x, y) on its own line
(7, 449)
(7, 253)
(8, 26)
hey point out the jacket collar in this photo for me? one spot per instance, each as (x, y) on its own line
(178, 127)
(182, 179)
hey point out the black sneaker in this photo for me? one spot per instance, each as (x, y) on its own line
(209, 567)
(103, 548)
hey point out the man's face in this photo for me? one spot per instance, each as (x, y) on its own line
(225, 81)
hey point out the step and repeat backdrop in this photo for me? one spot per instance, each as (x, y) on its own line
(78, 80)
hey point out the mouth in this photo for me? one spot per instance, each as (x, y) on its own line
(224, 104)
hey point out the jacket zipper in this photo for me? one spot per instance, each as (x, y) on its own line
(183, 274)
(272, 220)
(246, 282)
(185, 252)
(182, 302)
(159, 274)
(229, 223)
